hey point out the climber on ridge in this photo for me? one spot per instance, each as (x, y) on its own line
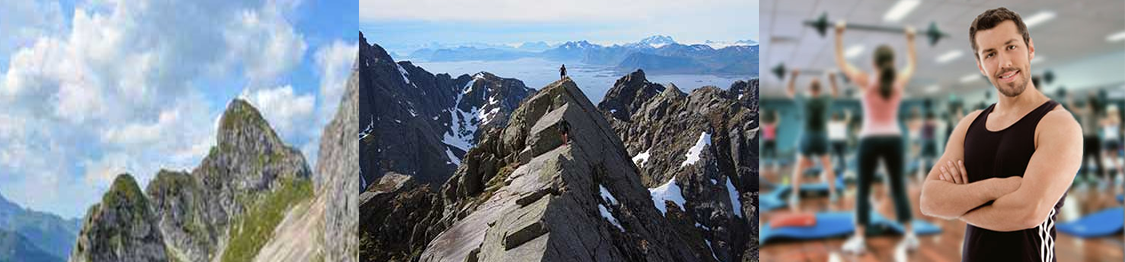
(564, 129)
(562, 72)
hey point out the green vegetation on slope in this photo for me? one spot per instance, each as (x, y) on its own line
(254, 228)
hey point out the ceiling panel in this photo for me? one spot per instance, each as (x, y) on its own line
(1077, 32)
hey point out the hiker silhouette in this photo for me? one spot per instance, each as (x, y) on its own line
(564, 129)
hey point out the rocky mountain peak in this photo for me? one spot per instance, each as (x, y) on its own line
(704, 143)
(121, 228)
(628, 94)
(531, 193)
(657, 41)
(241, 125)
(420, 124)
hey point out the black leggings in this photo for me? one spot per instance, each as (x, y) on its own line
(839, 151)
(890, 148)
(1092, 148)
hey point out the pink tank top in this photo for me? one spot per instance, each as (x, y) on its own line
(769, 131)
(881, 114)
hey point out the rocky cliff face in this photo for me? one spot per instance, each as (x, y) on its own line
(121, 228)
(324, 229)
(553, 200)
(225, 209)
(244, 176)
(703, 145)
(337, 170)
(420, 124)
(524, 193)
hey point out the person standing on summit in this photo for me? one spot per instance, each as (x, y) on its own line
(562, 72)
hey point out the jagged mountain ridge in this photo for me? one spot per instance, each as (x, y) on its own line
(121, 228)
(226, 209)
(404, 219)
(704, 144)
(523, 194)
(420, 124)
(657, 54)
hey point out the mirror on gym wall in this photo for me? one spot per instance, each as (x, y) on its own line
(912, 130)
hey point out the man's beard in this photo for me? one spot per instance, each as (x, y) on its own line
(1015, 88)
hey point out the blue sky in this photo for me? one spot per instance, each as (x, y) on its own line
(402, 24)
(92, 89)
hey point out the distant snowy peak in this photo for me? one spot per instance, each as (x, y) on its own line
(724, 44)
(578, 45)
(657, 41)
(534, 46)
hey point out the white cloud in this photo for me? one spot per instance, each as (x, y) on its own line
(335, 63)
(22, 22)
(266, 43)
(285, 110)
(541, 11)
(125, 89)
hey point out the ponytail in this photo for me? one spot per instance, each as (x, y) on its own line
(885, 63)
(886, 80)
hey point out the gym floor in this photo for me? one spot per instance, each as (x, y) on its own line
(945, 246)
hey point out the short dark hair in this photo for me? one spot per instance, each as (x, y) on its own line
(992, 18)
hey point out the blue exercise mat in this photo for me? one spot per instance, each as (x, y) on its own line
(821, 187)
(772, 200)
(835, 224)
(776, 199)
(831, 224)
(1103, 223)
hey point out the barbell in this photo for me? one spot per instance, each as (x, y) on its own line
(821, 25)
(779, 71)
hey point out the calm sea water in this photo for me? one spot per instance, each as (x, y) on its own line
(595, 81)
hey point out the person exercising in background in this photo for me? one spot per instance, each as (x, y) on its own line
(956, 112)
(913, 132)
(562, 72)
(838, 139)
(814, 140)
(1007, 168)
(928, 137)
(1111, 136)
(881, 138)
(769, 138)
(1087, 112)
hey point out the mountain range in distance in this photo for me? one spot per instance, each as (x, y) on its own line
(655, 54)
(29, 235)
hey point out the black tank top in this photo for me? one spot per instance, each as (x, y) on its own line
(1005, 153)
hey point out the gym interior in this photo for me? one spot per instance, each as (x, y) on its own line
(1079, 62)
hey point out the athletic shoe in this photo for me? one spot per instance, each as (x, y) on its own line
(910, 242)
(855, 245)
(794, 200)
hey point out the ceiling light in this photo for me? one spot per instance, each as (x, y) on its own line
(932, 89)
(1038, 18)
(949, 56)
(1038, 59)
(1115, 37)
(853, 51)
(969, 78)
(900, 10)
